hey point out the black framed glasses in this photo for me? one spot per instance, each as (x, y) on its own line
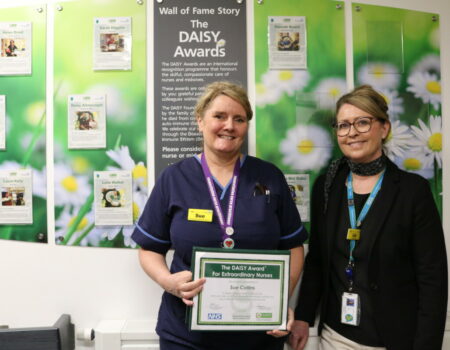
(361, 124)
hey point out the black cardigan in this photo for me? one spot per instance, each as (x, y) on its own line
(407, 262)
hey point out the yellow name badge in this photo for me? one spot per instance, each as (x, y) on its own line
(204, 215)
(353, 234)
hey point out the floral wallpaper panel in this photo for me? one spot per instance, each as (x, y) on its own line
(126, 139)
(25, 124)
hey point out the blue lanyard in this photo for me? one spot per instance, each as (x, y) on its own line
(356, 223)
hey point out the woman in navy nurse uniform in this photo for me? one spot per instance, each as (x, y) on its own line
(376, 240)
(263, 216)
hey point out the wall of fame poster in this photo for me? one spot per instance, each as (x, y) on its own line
(196, 42)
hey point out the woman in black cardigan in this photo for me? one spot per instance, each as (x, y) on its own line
(376, 269)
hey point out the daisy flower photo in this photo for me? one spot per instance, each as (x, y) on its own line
(430, 63)
(428, 138)
(425, 86)
(380, 75)
(70, 189)
(398, 140)
(288, 81)
(416, 162)
(138, 170)
(328, 92)
(306, 147)
(85, 234)
(266, 95)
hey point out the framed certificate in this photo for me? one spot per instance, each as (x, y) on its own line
(244, 289)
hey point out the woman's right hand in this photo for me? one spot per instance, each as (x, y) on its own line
(299, 335)
(181, 285)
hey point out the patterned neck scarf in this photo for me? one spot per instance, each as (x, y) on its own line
(368, 169)
(364, 169)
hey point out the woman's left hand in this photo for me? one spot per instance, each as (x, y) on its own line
(278, 333)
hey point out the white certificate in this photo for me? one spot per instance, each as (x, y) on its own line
(287, 42)
(15, 40)
(16, 206)
(113, 198)
(2, 122)
(244, 289)
(112, 43)
(86, 121)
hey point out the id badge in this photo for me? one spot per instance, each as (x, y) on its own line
(351, 309)
(353, 234)
(204, 215)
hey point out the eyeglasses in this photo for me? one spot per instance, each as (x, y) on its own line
(361, 124)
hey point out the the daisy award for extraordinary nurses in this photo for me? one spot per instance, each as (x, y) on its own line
(244, 289)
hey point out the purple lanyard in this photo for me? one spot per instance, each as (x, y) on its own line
(225, 225)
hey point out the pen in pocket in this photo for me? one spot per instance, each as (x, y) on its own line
(258, 190)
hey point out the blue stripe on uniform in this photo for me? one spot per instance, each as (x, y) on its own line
(293, 233)
(152, 237)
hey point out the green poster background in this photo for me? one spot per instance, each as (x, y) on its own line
(294, 108)
(397, 52)
(25, 124)
(126, 121)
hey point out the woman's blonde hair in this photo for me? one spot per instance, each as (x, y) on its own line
(366, 98)
(234, 91)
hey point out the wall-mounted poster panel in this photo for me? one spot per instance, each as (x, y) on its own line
(287, 42)
(397, 52)
(295, 97)
(196, 42)
(16, 48)
(22, 124)
(112, 43)
(99, 116)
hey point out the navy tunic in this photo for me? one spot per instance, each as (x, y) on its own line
(261, 221)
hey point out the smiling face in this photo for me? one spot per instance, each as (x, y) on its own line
(224, 126)
(361, 147)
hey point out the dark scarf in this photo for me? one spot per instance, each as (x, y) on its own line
(364, 169)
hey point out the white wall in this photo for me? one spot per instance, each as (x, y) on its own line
(39, 282)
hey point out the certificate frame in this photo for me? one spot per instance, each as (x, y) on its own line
(245, 290)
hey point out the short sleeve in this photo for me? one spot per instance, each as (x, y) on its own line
(152, 230)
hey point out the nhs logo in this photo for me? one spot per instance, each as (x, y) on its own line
(214, 316)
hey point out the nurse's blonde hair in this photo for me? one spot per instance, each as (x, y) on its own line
(213, 90)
